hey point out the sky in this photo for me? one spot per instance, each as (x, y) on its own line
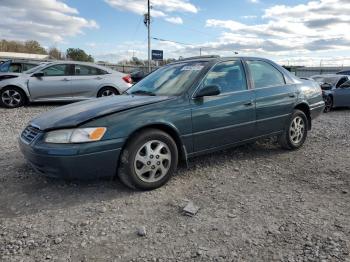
(294, 32)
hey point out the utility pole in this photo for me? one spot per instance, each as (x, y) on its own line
(149, 34)
(200, 51)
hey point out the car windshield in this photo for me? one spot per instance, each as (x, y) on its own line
(326, 80)
(4, 66)
(170, 80)
(34, 69)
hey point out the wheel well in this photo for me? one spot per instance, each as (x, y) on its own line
(167, 129)
(116, 89)
(305, 108)
(20, 89)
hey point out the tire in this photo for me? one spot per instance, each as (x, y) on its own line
(328, 103)
(107, 91)
(295, 133)
(141, 166)
(12, 97)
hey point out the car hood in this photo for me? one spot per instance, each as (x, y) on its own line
(75, 114)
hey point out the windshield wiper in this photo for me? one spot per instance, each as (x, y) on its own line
(143, 92)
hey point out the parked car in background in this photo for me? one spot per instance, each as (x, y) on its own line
(181, 110)
(17, 66)
(336, 91)
(137, 76)
(61, 81)
(344, 72)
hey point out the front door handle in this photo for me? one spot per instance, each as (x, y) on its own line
(249, 103)
(65, 79)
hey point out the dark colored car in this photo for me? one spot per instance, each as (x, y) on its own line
(137, 76)
(335, 89)
(17, 66)
(344, 72)
(182, 110)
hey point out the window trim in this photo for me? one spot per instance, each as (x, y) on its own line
(197, 89)
(251, 75)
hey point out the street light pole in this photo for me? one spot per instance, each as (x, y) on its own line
(149, 34)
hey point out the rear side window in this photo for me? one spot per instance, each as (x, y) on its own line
(83, 70)
(265, 75)
(56, 70)
(229, 76)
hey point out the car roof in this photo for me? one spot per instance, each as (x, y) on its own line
(330, 75)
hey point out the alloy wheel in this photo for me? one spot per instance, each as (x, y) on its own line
(297, 130)
(107, 92)
(11, 98)
(152, 161)
(328, 104)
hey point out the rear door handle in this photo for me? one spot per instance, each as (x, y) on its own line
(98, 78)
(291, 95)
(65, 79)
(249, 103)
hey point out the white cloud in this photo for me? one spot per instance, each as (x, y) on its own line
(313, 28)
(48, 20)
(160, 8)
(174, 20)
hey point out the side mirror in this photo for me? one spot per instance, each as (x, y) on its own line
(39, 74)
(211, 90)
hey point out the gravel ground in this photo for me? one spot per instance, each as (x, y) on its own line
(257, 203)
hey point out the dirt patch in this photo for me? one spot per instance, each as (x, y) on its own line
(256, 203)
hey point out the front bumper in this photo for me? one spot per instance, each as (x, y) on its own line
(73, 161)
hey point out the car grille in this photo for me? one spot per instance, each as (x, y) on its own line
(30, 133)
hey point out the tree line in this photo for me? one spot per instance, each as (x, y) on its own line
(34, 47)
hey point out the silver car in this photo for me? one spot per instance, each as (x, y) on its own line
(61, 81)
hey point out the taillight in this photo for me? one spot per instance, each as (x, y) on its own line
(127, 79)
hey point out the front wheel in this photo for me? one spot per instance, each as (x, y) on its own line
(12, 97)
(148, 160)
(295, 132)
(328, 104)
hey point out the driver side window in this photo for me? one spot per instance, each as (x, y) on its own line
(341, 82)
(228, 76)
(56, 70)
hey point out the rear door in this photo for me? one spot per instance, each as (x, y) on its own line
(275, 98)
(86, 81)
(227, 118)
(54, 85)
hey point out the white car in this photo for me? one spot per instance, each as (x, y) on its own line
(61, 81)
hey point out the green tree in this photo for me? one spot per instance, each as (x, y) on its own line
(78, 54)
(31, 46)
(56, 54)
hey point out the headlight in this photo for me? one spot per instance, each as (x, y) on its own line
(79, 135)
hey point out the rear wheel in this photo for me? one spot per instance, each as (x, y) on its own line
(295, 132)
(148, 160)
(328, 100)
(12, 97)
(107, 91)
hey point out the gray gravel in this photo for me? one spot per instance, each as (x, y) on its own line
(257, 203)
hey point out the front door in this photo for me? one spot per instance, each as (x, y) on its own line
(274, 97)
(229, 117)
(341, 95)
(54, 85)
